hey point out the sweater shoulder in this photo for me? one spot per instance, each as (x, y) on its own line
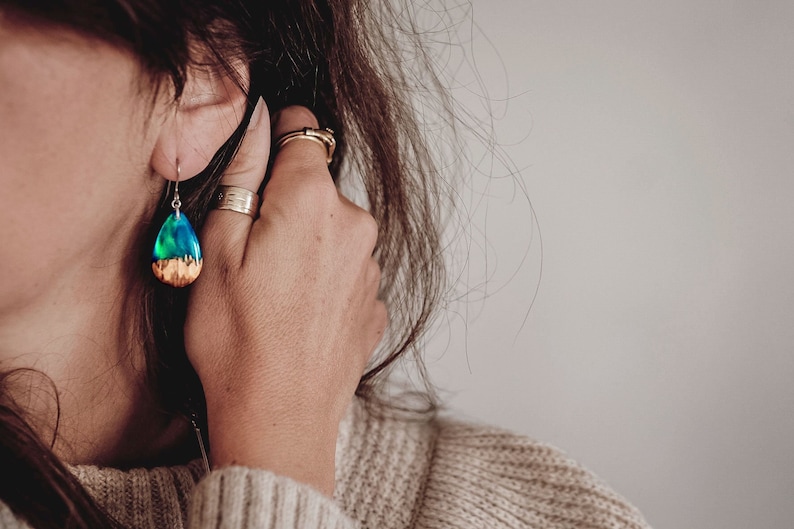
(487, 477)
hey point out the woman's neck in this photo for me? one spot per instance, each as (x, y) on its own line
(75, 336)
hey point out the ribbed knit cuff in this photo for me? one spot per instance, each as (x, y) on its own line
(244, 498)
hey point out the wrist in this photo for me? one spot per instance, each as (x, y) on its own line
(290, 445)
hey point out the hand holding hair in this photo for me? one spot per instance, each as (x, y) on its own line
(285, 315)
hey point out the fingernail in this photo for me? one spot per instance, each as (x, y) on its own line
(256, 117)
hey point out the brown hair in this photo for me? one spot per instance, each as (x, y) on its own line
(342, 59)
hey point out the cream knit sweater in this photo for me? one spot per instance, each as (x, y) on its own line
(391, 473)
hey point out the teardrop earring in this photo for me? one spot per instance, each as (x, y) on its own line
(176, 259)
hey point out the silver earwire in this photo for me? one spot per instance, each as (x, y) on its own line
(176, 203)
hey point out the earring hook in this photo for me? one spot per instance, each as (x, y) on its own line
(176, 203)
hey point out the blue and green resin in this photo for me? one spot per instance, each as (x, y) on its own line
(176, 259)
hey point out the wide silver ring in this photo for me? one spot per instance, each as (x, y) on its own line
(237, 199)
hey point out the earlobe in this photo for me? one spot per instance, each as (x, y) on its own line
(210, 110)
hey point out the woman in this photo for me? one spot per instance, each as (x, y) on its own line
(119, 121)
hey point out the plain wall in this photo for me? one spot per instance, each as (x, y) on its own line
(656, 143)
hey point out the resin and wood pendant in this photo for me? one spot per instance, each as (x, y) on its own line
(176, 259)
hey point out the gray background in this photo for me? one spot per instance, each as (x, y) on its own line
(656, 143)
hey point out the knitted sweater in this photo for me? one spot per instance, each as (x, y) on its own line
(391, 473)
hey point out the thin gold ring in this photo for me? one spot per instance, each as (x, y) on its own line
(237, 199)
(324, 137)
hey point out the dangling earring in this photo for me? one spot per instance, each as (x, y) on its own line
(176, 259)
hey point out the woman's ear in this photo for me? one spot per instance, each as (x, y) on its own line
(211, 108)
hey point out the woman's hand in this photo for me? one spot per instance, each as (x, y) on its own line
(285, 315)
